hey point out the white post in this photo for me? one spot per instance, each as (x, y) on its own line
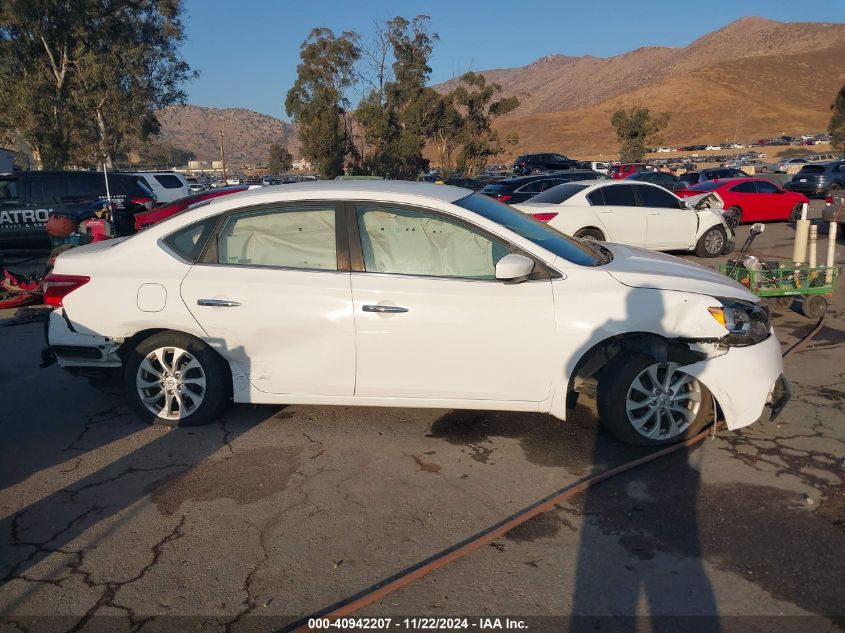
(831, 247)
(811, 256)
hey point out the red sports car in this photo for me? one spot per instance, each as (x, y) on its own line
(751, 199)
(153, 216)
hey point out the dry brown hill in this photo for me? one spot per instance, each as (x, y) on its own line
(247, 134)
(753, 78)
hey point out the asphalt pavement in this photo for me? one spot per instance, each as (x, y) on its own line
(107, 524)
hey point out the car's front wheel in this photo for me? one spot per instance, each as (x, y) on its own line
(174, 379)
(712, 242)
(645, 401)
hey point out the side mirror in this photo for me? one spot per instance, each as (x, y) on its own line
(757, 228)
(514, 268)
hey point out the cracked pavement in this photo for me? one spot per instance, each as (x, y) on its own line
(272, 513)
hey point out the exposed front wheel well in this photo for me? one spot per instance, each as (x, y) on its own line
(653, 345)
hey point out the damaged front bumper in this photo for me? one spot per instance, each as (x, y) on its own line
(744, 380)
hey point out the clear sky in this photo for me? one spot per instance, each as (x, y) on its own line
(247, 51)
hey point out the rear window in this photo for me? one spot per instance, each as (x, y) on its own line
(169, 181)
(710, 185)
(558, 194)
(812, 169)
(496, 187)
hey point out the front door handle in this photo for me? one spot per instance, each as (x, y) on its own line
(217, 303)
(384, 309)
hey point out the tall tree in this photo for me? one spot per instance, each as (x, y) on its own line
(317, 102)
(836, 126)
(280, 159)
(77, 79)
(636, 128)
(393, 115)
(475, 96)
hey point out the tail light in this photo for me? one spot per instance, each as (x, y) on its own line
(544, 217)
(56, 287)
(504, 197)
(143, 201)
(828, 200)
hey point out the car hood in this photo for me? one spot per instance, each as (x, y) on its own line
(640, 268)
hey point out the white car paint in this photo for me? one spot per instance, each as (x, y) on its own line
(302, 337)
(656, 228)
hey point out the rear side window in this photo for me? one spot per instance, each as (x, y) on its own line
(558, 194)
(657, 197)
(169, 181)
(189, 241)
(595, 198)
(86, 186)
(46, 188)
(619, 195)
(744, 187)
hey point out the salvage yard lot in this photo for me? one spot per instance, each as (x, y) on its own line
(273, 513)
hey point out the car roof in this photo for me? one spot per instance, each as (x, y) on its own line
(363, 188)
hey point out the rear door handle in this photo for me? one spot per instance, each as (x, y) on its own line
(218, 303)
(384, 309)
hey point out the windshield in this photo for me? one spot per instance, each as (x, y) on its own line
(576, 251)
(558, 194)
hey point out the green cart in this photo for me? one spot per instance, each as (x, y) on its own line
(782, 283)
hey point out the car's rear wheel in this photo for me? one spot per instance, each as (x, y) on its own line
(712, 242)
(733, 216)
(174, 379)
(645, 401)
(590, 234)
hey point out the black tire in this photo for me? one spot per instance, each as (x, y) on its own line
(712, 242)
(796, 213)
(590, 234)
(782, 303)
(834, 189)
(814, 306)
(733, 216)
(208, 401)
(616, 381)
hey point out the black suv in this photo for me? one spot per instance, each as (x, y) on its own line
(28, 198)
(532, 163)
(687, 180)
(516, 190)
(819, 179)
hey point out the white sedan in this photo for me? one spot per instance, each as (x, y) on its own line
(405, 294)
(634, 213)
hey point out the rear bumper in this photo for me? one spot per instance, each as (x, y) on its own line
(807, 188)
(70, 348)
(744, 380)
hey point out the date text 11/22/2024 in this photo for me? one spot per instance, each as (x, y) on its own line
(417, 624)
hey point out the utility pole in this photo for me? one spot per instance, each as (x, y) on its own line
(223, 160)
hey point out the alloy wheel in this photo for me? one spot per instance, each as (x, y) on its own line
(663, 401)
(171, 383)
(714, 241)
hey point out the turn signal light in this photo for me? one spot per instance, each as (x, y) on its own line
(719, 315)
(543, 217)
(56, 287)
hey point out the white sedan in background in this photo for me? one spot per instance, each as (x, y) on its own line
(401, 294)
(634, 213)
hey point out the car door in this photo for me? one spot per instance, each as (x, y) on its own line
(770, 203)
(744, 196)
(272, 294)
(669, 224)
(431, 319)
(616, 207)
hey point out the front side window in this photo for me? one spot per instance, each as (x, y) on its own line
(412, 242)
(8, 189)
(765, 187)
(657, 197)
(290, 237)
